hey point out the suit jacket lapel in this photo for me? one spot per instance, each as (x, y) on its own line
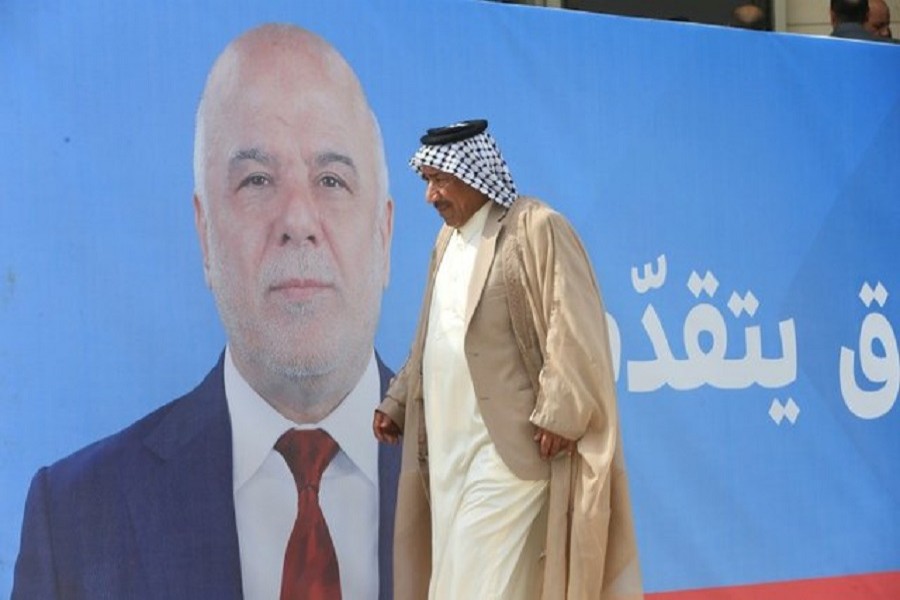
(181, 499)
(388, 476)
(484, 258)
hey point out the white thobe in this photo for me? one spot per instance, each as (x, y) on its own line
(481, 514)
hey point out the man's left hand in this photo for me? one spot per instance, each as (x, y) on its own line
(551, 444)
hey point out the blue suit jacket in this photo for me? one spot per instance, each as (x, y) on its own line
(149, 511)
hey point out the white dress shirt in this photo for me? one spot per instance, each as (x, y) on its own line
(265, 496)
(481, 513)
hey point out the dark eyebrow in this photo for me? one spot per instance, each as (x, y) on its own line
(325, 158)
(254, 154)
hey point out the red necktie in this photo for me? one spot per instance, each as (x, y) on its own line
(310, 565)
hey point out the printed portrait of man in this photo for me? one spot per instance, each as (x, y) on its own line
(212, 495)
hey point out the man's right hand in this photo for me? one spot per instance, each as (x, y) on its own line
(385, 429)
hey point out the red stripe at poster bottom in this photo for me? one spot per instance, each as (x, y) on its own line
(870, 586)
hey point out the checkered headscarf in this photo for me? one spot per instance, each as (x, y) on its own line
(475, 160)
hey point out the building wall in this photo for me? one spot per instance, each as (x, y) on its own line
(794, 16)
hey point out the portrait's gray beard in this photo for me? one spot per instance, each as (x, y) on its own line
(322, 358)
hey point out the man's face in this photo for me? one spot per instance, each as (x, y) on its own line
(454, 200)
(294, 227)
(879, 20)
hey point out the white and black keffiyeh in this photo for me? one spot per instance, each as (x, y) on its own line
(470, 153)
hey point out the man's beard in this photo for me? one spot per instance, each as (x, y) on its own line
(321, 345)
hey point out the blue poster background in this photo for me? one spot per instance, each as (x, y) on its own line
(766, 163)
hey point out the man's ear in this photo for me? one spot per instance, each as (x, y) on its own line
(200, 222)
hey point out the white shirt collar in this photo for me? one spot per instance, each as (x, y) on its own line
(475, 225)
(256, 426)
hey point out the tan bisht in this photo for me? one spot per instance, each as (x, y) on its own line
(538, 352)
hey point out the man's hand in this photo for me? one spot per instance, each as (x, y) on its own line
(550, 444)
(385, 429)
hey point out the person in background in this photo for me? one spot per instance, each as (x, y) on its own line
(847, 18)
(878, 23)
(749, 16)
